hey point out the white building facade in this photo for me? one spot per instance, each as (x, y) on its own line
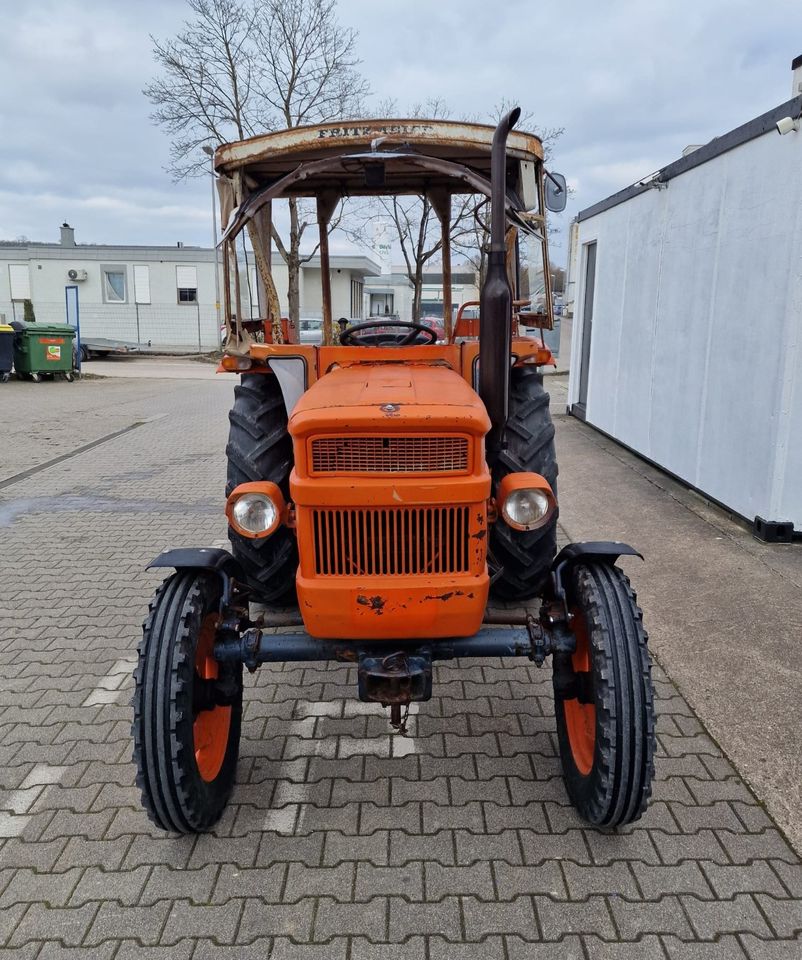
(687, 342)
(162, 296)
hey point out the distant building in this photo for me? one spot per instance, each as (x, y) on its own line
(391, 294)
(687, 341)
(162, 295)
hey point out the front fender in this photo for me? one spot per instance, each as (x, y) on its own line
(600, 551)
(206, 559)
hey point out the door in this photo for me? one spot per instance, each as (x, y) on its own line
(587, 326)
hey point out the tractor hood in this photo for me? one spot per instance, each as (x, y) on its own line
(390, 397)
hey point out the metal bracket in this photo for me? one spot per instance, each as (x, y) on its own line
(250, 642)
(550, 635)
(398, 678)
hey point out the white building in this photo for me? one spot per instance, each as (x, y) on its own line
(687, 342)
(391, 294)
(165, 296)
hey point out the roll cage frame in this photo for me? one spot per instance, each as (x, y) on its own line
(322, 162)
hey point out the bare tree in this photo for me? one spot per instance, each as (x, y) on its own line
(417, 231)
(238, 69)
(414, 222)
(308, 75)
(473, 233)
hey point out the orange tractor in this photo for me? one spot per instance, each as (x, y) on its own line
(387, 484)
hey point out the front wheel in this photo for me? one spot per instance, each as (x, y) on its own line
(187, 708)
(604, 699)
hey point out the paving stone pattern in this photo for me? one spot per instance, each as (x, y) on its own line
(341, 841)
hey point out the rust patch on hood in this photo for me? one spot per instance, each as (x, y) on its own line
(376, 603)
(445, 597)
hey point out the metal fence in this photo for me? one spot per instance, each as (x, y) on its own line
(183, 327)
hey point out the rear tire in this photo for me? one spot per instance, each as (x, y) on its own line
(520, 560)
(260, 448)
(185, 751)
(607, 732)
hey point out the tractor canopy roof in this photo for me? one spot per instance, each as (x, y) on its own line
(377, 157)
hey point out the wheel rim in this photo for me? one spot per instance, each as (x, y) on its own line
(210, 728)
(580, 718)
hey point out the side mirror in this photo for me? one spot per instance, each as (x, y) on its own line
(556, 192)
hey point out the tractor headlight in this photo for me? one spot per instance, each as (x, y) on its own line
(255, 509)
(525, 508)
(525, 501)
(255, 513)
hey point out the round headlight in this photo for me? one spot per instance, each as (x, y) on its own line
(255, 512)
(526, 508)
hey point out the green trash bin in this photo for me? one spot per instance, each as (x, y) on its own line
(43, 349)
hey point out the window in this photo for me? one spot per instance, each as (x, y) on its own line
(20, 281)
(186, 281)
(114, 284)
(141, 283)
(357, 288)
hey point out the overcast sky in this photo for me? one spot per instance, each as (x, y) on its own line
(631, 82)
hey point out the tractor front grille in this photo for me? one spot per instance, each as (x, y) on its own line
(418, 455)
(390, 541)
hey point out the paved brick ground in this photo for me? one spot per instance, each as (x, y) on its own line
(341, 841)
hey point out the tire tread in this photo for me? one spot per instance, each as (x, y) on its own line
(618, 787)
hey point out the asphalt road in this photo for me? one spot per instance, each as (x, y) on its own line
(342, 841)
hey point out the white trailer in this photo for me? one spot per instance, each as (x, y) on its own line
(688, 320)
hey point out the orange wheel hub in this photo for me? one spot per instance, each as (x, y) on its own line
(580, 718)
(211, 727)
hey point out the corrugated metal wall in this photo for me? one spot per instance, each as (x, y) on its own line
(696, 360)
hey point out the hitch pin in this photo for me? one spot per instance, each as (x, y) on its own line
(398, 722)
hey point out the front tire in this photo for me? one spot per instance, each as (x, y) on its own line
(187, 708)
(606, 729)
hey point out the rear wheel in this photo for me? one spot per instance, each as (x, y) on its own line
(520, 560)
(259, 448)
(604, 699)
(187, 708)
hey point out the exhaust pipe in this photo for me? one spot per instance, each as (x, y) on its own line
(495, 312)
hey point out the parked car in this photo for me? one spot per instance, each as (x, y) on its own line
(436, 323)
(311, 329)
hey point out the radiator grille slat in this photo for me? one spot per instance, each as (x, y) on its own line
(390, 455)
(390, 541)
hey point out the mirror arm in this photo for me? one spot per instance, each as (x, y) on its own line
(553, 179)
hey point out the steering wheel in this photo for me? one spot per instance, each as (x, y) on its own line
(352, 336)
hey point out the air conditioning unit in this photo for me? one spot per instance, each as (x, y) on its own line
(76, 275)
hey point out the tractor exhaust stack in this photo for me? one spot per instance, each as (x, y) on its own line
(495, 316)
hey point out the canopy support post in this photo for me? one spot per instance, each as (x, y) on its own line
(441, 202)
(326, 204)
(260, 230)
